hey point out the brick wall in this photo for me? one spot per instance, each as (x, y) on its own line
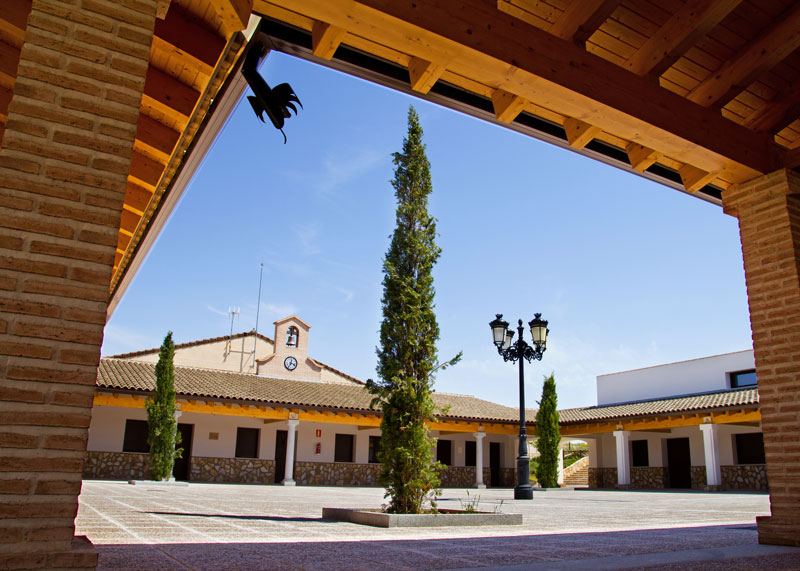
(63, 165)
(768, 209)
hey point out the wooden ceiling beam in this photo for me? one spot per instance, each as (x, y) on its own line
(579, 134)
(507, 105)
(14, 20)
(686, 27)
(582, 18)
(9, 61)
(325, 39)
(765, 52)
(180, 34)
(777, 114)
(641, 158)
(169, 95)
(233, 15)
(694, 178)
(156, 135)
(499, 50)
(423, 74)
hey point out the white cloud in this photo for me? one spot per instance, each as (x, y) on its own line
(118, 339)
(213, 309)
(306, 236)
(348, 294)
(343, 169)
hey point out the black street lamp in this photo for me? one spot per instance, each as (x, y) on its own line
(516, 351)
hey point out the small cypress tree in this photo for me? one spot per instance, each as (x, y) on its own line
(407, 354)
(549, 435)
(162, 427)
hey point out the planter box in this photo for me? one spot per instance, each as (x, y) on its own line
(448, 518)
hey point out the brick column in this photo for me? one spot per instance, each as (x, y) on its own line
(63, 166)
(768, 209)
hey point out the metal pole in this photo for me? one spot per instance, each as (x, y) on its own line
(258, 311)
(523, 489)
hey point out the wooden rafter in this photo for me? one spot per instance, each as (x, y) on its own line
(233, 15)
(490, 46)
(779, 113)
(694, 178)
(423, 74)
(684, 29)
(641, 158)
(325, 39)
(169, 95)
(156, 135)
(14, 19)
(761, 55)
(582, 18)
(145, 169)
(507, 105)
(181, 35)
(579, 134)
(136, 198)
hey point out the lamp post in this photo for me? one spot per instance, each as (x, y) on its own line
(515, 351)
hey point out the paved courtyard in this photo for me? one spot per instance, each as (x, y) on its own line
(215, 526)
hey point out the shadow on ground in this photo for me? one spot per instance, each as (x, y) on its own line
(708, 547)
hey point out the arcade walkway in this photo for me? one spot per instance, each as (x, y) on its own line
(210, 526)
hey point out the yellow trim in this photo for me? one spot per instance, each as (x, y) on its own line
(281, 413)
(662, 422)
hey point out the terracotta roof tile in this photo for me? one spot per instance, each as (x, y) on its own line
(122, 374)
(685, 403)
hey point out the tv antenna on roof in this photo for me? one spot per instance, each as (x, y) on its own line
(234, 312)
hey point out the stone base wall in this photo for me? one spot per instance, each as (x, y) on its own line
(116, 466)
(336, 474)
(459, 476)
(232, 470)
(649, 477)
(602, 477)
(698, 474)
(745, 477)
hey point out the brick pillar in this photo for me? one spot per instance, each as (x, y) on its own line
(63, 166)
(768, 209)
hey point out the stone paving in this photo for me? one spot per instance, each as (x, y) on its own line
(224, 526)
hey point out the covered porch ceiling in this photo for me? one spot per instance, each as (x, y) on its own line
(696, 94)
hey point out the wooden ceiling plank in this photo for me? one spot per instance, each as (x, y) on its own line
(777, 114)
(5, 99)
(499, 50)
(128, 222)
(156, 135)
(170, 92)
(579, 134)
(767, 50)
(640, 157)
(137, 197)
(325, 39)
(694, 178)
(582, 18)
(232, 15)
(180, 34)
(684, 29)
(423, 74)
(146, 169)
(525, 11)
(507, 105)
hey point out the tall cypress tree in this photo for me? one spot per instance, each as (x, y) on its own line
(407, 357)
(162, 427)
(549, 435)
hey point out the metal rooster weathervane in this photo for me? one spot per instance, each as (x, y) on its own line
(276, 101)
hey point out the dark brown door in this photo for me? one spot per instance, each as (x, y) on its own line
(280, 455)
(494, 464)
(679, 463)
(181, 469)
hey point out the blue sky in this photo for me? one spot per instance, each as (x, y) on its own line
(628, 272)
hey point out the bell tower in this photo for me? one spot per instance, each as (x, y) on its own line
(289, 357)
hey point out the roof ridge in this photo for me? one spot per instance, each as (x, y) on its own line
(191, 344)
(672, 397)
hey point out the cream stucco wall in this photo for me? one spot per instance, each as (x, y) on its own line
(217, 355)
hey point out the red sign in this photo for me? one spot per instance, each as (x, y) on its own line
(319, 432)
(319, 448)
